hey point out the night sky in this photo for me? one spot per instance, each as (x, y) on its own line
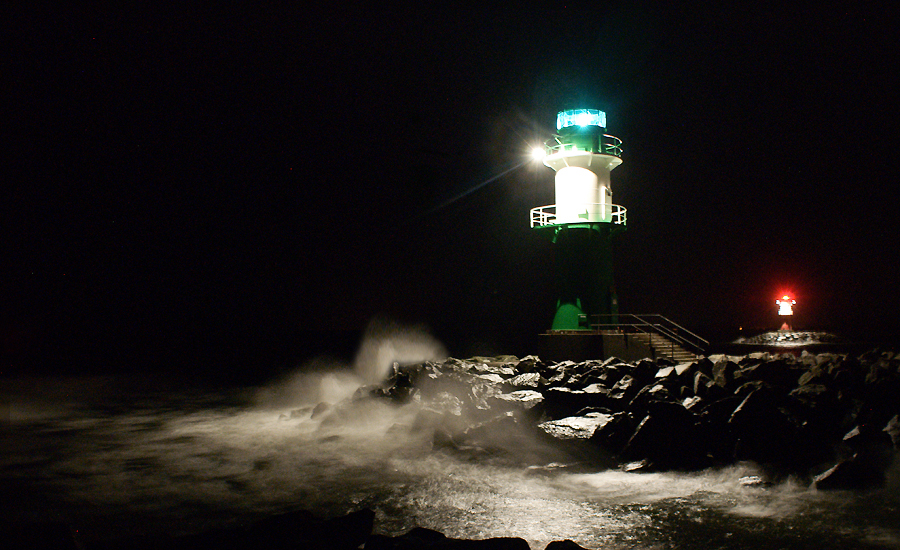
(230, 190)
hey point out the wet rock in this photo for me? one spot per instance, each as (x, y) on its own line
(763, 432)
(648, 394)
(702, 382)
(575, 427)
(426, 539)
(854, 473)
(517, 400)
(529, 363)
(643, 372)
(754, 481)
(893, 431)
(563, 402)
(749, 387)
(319, 410)
(623, 391)
(299, 529)
(30, 536)
(564, 545)
(504, 370)
(693, 404)
(491, 378)
(814, 376)
(501, 433)
(723, 372)
(667, 437)
(528, 380)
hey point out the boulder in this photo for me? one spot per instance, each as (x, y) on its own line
(522, 400)
(575, 427)
(502, 433)
(854, 473)
(763, 432)
(528, 380)
(702, 382)
(723, 372)
(420, 538)
(564, 545)
(318, 410)
(893, 431)
(623, 391)
(500, 369)
(563, 402)
(614, 434)
(529, 363)
(667, 437)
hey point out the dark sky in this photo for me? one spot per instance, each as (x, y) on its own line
(207, 187)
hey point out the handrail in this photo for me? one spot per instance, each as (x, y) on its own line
(611, 145)
(674, 332)
(546, 215)
(676, 325)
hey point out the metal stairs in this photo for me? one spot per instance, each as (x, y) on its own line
(664, 337)
(664, 347)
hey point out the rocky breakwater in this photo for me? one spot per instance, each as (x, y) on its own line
(830, 418)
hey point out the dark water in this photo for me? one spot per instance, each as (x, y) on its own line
(115, 457)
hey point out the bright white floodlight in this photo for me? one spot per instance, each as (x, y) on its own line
(538, 153)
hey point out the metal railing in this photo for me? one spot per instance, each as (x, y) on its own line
(609, 213)
(608, 145)
(654, 323)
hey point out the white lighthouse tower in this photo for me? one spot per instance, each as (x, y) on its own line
(584, 218)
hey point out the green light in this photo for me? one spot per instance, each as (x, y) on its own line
(580, 117)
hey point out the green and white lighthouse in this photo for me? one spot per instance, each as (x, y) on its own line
(584, 219)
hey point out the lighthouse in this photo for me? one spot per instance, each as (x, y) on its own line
(584, 219)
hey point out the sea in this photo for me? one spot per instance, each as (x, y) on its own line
(119, 456)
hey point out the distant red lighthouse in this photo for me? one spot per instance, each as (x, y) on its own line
(786, 310)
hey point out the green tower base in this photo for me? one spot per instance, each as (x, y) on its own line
(584, 274)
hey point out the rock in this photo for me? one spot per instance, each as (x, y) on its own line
(517, 400)
(623, 391)
(749, 387)
(647, 394)
(692, 403)
(702, 382)
(893, 430)
(853, 473)
(318, 410)
(528, 363)
(614, 434)
(665, 372)
(667, 437)
(501, 433)
(426, 539)
(492, 378)
(754, 481)
(723, 372)
(528, 380)
(644, 371)
(813, 376)
(45, 536)
(500, 369)
(597, 389)
(575, 427)
(564, 545)
(763, 432)
(563, 402)
(299, 529)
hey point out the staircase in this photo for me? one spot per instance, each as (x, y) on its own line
(664, 347)
(664, 337)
